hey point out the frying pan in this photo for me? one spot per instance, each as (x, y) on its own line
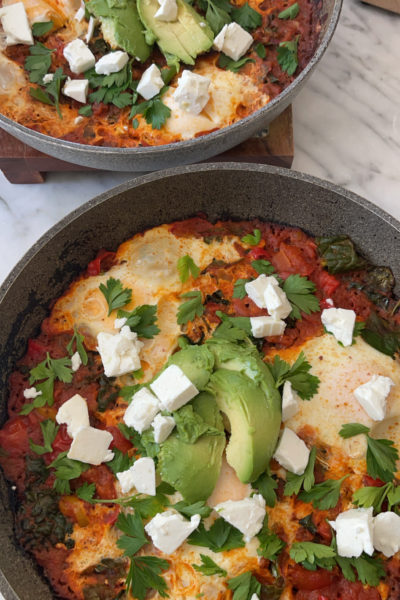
(180, 153)
(222, 190)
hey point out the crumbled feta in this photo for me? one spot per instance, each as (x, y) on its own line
(79, 57)
(162, 428)
(386, 533)
(292, 453)
(354, 532)
(90, 30)
(142, 410)
(80, 13)
(169, 529)
(192, 92)
(266, 326)
(168, 10)
(73, 413)
(372, 396)
(90, 445)
(112, 62)
(76, 361)
(254, 597)
(119, 323)
(233, 40)
(340, 322)
(290, 401)
(48, 78)
(14, 21)
(246, 515)
(141, 475)
(150, 83)
(276, 301)
(256, 288)
(32, 393)
(329, 302)
(120, 352)
(173, 388)
(78, 120)
(76, 89)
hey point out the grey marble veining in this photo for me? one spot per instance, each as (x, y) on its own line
(347, 130)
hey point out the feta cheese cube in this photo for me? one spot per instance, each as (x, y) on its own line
(112, 62)
(292, 453)
(386, 533)
(120, 352)
(354, 531)
(150, 83)
(372, 396)
(162, 428)
(73, 413)
(290, 401)
(246, 515)
(233, 40)
(173, 388)
(48, 78)
(78, 120)
(90, 445)
(14, 21)
(168, 10)
(254, 597)
(169, 529)
(76, 89)
(142, 410)
(141, 475)
(192, 95)
(119, 323)
(76, 361)
(79, 57)
(32, 393)
(340, 322)
(266, 326)
(93, 21)
(276, 301)
(80, 13)
(257, 289)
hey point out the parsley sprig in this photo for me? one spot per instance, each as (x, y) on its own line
(376, 495)
(239, 290)
(324, 495)
(186, 267)
(300, 293)
(290, 12)
(46, 373)
(263, 267)
(115, 294)
(41, 28)
(51, 92)
(224, 62)
(154, 111)
(209, 567)
(142, 320)
(287, 56)
(193, 307)
(117, 88)
(78, 340)
(266, 486)
(271, 545)
(294, 483)
(38, 62)
(220, 537)
(188, 510)
(244, 586)
(49, 432)
(305, 384)
(144, 571)
(66, 469)
(381, 453)
(252, 239)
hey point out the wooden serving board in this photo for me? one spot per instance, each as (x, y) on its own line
(22, 164)
(392, 5)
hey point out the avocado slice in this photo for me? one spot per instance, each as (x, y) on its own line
(184, 38)
(244, 390)
(121, 26)
(193, 469)
(197, 362)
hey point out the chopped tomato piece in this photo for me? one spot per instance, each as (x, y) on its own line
(36, 350)
(371, 482)
(290, 260)
(119, 441)
(95, 266)
(328, 283)
(259, 253)
(62, 443)
(310, 580)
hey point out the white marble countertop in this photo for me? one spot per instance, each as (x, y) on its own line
(346, 126)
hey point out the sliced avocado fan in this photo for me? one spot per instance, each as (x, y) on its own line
(185, 38)
(197, 362)
(193, 469)
(245, 391)
(121, 26)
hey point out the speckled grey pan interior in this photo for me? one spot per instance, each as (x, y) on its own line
(181, 153)
(220, 190)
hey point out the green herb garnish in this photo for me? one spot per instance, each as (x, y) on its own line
(115, 294)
